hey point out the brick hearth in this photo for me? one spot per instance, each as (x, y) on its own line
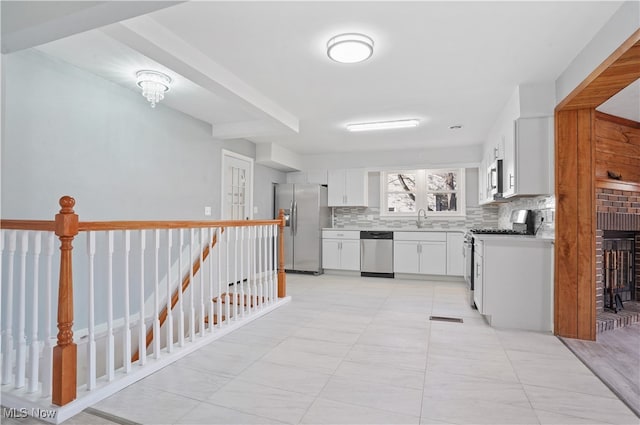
(616, 210)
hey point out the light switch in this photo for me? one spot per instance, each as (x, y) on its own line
(207, 211)
(255, 210)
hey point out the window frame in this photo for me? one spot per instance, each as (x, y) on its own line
(422, 191)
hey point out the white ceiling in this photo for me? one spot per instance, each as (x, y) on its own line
(259, 70)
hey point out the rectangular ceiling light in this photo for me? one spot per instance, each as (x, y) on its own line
(383, 125)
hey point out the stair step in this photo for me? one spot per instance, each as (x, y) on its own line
(215, 319)
(236, 299)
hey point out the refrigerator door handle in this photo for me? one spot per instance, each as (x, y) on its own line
(295, 217)
(292, 218)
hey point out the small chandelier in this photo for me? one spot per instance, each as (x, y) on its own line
(153, 84)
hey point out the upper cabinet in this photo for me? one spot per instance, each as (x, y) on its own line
(526, 166)
(348, 188)
(522, 137)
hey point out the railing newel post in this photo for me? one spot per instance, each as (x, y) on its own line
(282, 277)
(65, 352)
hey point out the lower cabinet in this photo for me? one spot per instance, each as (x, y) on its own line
(514, 282)
(420, 253)
(341, 250)
(455, 260)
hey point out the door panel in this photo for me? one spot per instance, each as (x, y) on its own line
(307, 232)
(284, 200)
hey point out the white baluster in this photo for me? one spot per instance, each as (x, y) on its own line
(2, 232)
(201, 261)
(242, 300)
(212, 233)
(21, 352)
(7, 345)
(34, 344)
(249, 293)
(259, 233)
(273, 290)
(110, 364)
(169, 321)
(275, 261)
(49, 340)
(142, 328)
(156, 296)
(91, 344)
(227, 307)
(219, 290)
(235, 274)
(254, 289)
(267, 265)
(180, 305)
(192, 307)
(126, 335)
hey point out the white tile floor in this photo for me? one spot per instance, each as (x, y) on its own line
(362, 351)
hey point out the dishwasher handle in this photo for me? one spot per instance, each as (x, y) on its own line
(368, 234)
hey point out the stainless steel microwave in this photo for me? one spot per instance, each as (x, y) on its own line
(494, 178)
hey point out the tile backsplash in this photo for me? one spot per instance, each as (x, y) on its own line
(543, 207)
(364, 217)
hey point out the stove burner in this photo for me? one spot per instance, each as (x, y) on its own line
(496, 232)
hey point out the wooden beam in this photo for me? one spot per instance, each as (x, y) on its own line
(619, 70)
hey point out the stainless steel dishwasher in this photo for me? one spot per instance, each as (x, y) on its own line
(376, 254)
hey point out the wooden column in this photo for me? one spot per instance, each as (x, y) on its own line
(575, 271)
(282, 277)
(65, 352)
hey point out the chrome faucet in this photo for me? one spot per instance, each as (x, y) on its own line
(421, 213)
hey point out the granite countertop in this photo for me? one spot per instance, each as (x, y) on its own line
(388, 229)
(490, 237)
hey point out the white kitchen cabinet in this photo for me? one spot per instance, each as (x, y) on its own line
(527, 165)
(478, 283)
(406, 257)
(433, 257)
(420, 253)
(341, 250)
(348, 188)
(514, 282)
(455, 260)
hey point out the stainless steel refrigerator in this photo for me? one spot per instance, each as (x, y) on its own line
(306, 211)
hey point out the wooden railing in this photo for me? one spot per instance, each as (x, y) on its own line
(258, 254)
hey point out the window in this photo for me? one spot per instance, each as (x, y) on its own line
(438, 192)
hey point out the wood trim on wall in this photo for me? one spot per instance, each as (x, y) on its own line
(575, 150)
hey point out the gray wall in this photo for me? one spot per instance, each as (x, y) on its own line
(620, 27)
(66, 131)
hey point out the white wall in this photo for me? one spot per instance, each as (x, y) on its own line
(619, 28)
(69, 132)
(419, 158)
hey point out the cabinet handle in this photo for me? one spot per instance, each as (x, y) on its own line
(340, 246)
(495, 153)
(511, 178)
(478, 270)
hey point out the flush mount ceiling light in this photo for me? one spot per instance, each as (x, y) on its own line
(383, 125)
(350, 48)
(153, 84)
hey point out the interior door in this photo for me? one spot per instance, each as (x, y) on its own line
(237, 186)
(237, 204)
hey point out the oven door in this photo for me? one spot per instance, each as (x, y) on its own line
(467, 252)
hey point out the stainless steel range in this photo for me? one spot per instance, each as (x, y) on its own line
(522, 223)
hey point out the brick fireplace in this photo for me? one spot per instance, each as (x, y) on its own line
(617, 231)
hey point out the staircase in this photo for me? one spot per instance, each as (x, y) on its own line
(124, 269)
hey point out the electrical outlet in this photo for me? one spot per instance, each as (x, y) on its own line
(207, 211)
